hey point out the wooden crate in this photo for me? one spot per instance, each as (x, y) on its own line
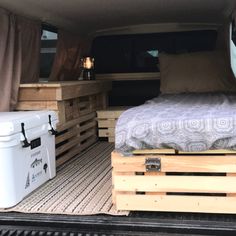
(179, 181)
(76, 103)
(107, 121)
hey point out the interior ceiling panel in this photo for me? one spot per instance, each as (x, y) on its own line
(86, 16)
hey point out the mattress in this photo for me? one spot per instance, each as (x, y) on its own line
(185, 122)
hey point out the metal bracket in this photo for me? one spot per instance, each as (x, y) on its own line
(52, 130)
(153, 164)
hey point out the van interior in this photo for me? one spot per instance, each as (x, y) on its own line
(42, 46)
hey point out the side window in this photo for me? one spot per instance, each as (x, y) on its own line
(47, 52)
(232, 39)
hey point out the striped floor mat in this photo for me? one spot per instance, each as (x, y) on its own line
(81, 187)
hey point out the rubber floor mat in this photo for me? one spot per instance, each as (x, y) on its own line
(82, 186)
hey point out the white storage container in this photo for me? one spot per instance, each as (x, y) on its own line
(27, 153)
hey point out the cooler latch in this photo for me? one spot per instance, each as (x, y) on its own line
(25, 141)
(153, 164)
(51, 130)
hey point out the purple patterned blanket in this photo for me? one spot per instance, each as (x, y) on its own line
(185, 122)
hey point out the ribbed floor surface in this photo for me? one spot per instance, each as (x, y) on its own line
(81, 187)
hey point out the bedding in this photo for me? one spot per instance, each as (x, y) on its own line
(185, 122)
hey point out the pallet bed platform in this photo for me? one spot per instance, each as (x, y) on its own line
(168, 180)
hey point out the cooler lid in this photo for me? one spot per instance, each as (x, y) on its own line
(10, 122)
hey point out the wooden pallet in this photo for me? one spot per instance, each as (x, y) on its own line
(75, 136)
(107, 121)
(68, 109)
(186, 182)
(76, 103)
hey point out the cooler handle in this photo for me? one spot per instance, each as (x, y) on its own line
(51, 130)
(25, 141)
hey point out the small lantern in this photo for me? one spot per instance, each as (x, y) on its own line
(88, 68)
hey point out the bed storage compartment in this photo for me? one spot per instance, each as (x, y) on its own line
(27, 153)
(167, 180)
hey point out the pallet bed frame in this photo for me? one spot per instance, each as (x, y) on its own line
(168, 180)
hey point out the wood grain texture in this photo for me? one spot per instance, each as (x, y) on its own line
(154, 151)
(129, 76)
(206, 204)
(178, 163)
(61, 90)
(179, 176)
(178, 184)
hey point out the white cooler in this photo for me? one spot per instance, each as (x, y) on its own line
(27, 153)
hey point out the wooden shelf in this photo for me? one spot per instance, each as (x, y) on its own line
(129, 76)
(59, 91)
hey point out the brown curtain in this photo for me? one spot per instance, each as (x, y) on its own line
(70, 49)
(10, 60)
(30, 32)
(17, 56)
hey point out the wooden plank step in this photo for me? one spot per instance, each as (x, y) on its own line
(154, 151)
(206, 204)
(177, 163)
(173, 151)
(191, 184)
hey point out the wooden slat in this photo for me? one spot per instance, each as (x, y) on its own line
(72, 123)
(177, 163)
(75, 151)
(87, 117)
(72, 142)
(111, 139)
(36, 105)
(109, 123)
(59, 91)
(191, 184)
(114, 192)
(84, 104)
(154, 151)
(218, 151)
(172, 151)
(106, 132)
(71, 133)
(154, 174)
(37, 94)
(87, 89)
(176, 203)
(111, 112)
(88, 134)
(129, 76)
(91, 124)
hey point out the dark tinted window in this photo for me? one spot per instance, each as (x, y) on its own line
(47, 53)
(139, 53)
(234, 33)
